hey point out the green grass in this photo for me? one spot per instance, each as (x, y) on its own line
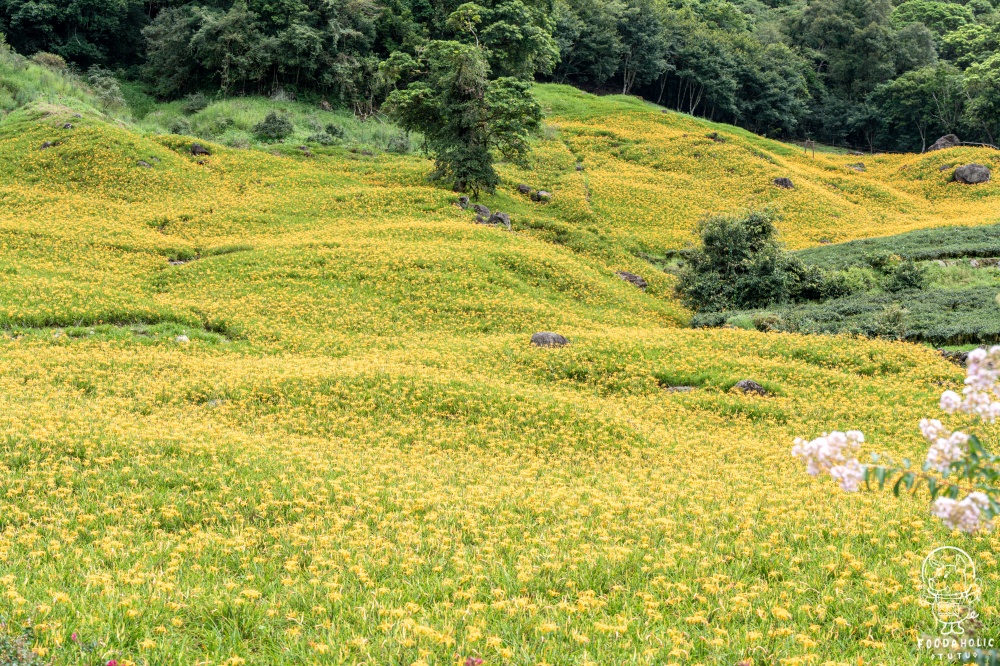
(231, 122)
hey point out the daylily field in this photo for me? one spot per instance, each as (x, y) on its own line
(356, 456)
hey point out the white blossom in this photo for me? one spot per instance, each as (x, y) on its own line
(850, 475)
(981, 391)
(833, 453)
(965, 515)
(950, 402)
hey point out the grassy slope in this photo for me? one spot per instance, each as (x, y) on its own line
(359, 459)
(653, 175)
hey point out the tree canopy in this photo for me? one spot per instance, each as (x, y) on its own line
(855, 72)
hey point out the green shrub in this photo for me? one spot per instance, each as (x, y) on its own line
(49, 61)
(739, 265)
(892, 322)
(273, 128)
(106, 88)
(322, 138)
(334, 130)
(905, 275)
(180, 126)
(195, 102)
(399, 144)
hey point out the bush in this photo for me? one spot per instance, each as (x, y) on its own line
(892, 322)
(195, 103)
(739, 265)
(399, 144)
(180, 126)
(49, 61)
(905, 275)
(336, 131)
(322, 138)
(106, 88)
(768, 322)
(273, 128)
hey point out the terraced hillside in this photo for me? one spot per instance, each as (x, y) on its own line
(266, 409)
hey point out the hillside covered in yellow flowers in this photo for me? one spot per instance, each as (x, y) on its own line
(281, 407)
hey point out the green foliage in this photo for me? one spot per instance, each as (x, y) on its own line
(195, 102)
(106, 88)
(877, 287)
(939, 317)
(921, 245)
(274, 127)
(464, 116)
(88, 32)
(739, 265)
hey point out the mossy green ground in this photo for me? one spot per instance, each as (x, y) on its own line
(359, 458)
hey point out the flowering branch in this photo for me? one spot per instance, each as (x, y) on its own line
(952, 455)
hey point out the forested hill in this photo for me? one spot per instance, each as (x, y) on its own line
(861, 72)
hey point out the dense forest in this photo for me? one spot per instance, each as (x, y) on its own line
(863, 73)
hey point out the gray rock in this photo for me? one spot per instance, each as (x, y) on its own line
(750, 386)
(633, 279)
(859, 167)
(68, 126)
(144, 164)
(579, 167)
(499, 219)
(542, 196)
(198, 149)
(678, 389)
(481, 210)
(856, 153)
(463, 202)
(47, 144)
(548, 339)
(784, 183)
(947, 141)
(945, 167)
(956, 357)
(972, 174)
(523, 189)
(182, 339)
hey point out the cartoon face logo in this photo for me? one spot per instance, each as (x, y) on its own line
(949, 576)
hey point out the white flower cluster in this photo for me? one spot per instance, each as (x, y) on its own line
(946, 446)
(981, 391)
(965, 515)
(834, 453)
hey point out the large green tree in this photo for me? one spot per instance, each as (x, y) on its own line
(464, 116)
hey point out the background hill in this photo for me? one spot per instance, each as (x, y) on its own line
(282, 408)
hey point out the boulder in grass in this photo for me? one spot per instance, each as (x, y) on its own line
(463, 202)
(198, 149)
(68, 126)
(947, 141)
(548, 339)
(972, 174)
(523, 189)
(144, 164)
(499, 219)
(632, 278)
(182, 339)
(784, 183)
(750, 386)
(542, 196)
